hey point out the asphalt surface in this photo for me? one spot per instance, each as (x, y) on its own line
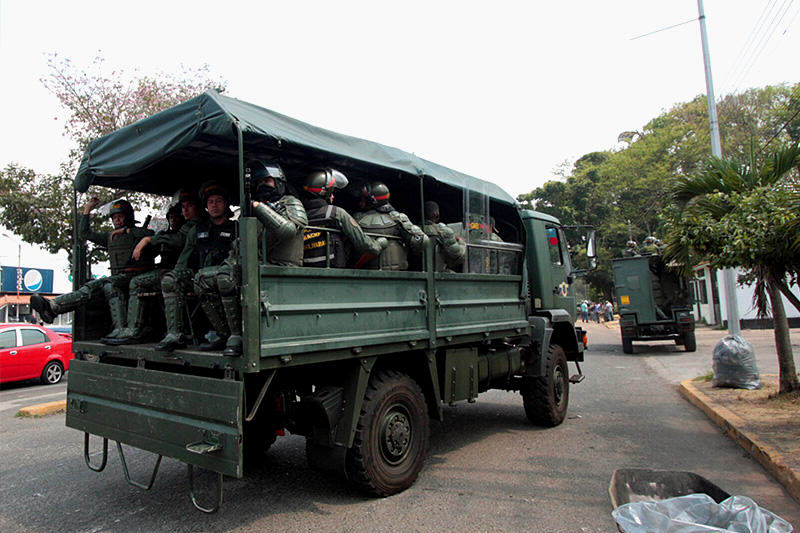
(488, 469)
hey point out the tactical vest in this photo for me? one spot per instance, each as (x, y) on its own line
(214, 242)
(316, 242)
(432, 230)
(382, 221)
(121, 247)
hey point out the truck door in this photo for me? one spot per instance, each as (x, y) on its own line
(560, 269)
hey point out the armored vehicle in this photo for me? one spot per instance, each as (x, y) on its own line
(654, 302)
(357, 361)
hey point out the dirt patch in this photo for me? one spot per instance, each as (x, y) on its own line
(772, 418)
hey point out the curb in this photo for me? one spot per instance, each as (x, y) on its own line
(43, 409)
(733, 425)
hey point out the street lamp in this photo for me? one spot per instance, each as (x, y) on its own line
(19, 266)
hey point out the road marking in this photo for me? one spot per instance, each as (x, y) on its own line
(13, 404)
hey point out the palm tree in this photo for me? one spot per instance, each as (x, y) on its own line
(709, 202)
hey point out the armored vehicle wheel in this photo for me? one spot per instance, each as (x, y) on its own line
(546, 398)
(391, 435)
(259, 436)
(689, 341)
(627, 345)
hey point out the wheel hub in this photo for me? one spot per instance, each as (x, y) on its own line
(558, 385)
(396, 436)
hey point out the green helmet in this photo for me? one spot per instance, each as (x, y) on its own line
(322, 182)
(124, 207)
(376, 193)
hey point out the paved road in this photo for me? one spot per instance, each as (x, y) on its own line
(488, 470)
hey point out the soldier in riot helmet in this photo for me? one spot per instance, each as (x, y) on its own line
(383, 219)
(347, 245)
(651, 245)
(282, 219)
(631, 249)
(207, 245)
(120, 244)
(451, 249)
(182, 217)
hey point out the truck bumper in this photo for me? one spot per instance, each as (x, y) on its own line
(197, 420)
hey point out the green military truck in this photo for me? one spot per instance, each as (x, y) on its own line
(654, 302)
(357, 361)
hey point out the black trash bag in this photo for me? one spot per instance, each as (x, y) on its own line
(735, 364)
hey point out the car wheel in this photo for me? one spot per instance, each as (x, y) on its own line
(52, 373)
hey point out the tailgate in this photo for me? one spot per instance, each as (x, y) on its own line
(161, 412)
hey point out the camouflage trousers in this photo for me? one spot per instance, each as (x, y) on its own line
(142, 283)
(110, 287)
(175, 285)
(217, 287)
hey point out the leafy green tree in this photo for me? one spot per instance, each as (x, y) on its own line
(737, 214)
(96, 101)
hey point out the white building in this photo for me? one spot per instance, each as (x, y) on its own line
(710, 305)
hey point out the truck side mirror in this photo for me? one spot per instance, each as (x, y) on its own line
(591, 249)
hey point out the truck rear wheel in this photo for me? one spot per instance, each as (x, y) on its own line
(627, 344)
(546, 398)
(391, 435)
(689, 341)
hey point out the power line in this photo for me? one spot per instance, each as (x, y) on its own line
(764, 41)
(753, 32)
(662, 29)
(794, 93)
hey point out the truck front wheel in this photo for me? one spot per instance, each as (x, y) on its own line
(546, 398)
(391, 436)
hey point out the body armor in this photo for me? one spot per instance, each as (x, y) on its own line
(316, 242)
(213, 242)
(282, 230)
(450, 252)
(384, 220)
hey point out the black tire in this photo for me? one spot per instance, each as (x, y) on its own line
(627, 345)
(391, 435)
(689, 341)
(546, 398)
(259, 436)
(52, 373)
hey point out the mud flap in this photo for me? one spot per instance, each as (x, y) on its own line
(197, 420)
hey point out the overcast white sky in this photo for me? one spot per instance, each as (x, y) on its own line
(505, 91)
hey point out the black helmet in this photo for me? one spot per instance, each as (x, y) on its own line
(124, 207)
(257, 172)
(175, 210)
(211, 188)
(376, 193)
(322, 182)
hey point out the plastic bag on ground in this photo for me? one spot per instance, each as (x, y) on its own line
(735, 364)
(696, 513)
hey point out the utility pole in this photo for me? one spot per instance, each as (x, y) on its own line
(728, 275)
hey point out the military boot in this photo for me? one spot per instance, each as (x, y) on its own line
(44, 307)
(136, 332)
(216, 315)
(233, 312)
(117, 307)
(174, 315)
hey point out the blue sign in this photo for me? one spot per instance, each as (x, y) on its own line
(27, 280)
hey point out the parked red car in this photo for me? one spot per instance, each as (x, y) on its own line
(28, 351)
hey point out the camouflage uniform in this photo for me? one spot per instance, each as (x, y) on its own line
(385, 220)
(169, 244)
(349, 246)
(450, 251)
(113, 287)
(281, 231)
(207, 245)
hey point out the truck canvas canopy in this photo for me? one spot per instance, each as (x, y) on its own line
(197, 140)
